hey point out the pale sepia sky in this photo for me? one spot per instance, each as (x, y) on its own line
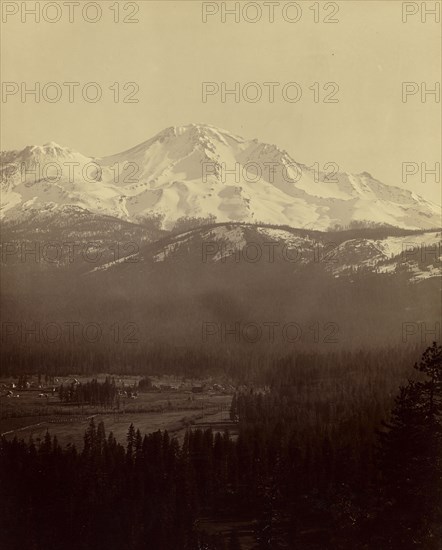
(170, 52)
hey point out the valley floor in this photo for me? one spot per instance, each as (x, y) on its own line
(30, 413)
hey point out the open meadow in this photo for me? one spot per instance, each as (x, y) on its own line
(171, 404)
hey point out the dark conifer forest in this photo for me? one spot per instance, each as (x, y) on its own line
(317, 462)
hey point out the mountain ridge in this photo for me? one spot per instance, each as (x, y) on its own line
(200, 171)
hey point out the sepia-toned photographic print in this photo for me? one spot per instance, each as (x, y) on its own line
(220, 264)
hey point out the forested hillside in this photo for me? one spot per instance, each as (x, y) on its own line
(305, 471)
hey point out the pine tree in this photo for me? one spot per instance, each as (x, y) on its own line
(431, 389)
(101, 437)
(411, 457)
(46, 446)
(90, 438)
(130, 442)
(138, 446)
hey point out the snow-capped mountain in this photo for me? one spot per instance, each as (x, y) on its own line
(199, 171)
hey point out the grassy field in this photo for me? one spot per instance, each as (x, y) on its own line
(32, 411)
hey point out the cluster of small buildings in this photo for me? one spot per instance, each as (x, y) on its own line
(11, 394)
(12, 389)
(131, 394)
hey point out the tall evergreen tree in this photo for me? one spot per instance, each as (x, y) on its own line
(411, 459)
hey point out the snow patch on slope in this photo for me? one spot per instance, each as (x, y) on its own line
(198, 171)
